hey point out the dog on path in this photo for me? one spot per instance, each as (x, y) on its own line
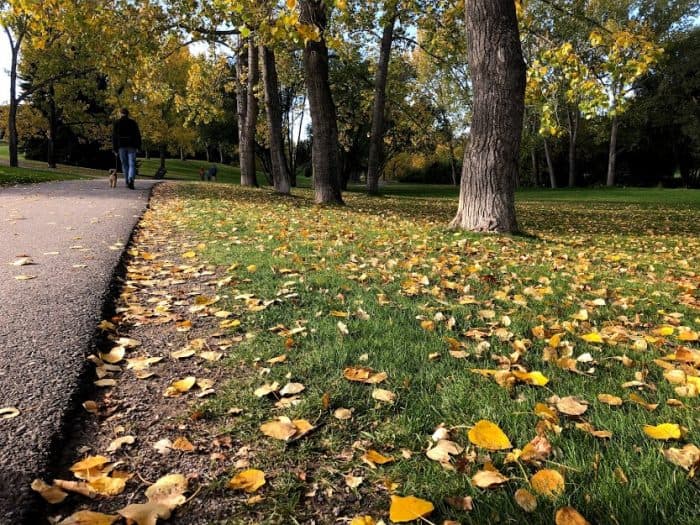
(112, 178)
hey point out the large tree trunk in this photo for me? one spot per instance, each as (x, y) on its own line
(487, 193)
(535, 166)
(574, 118)
(280, 174)
(550, 165)
(377, 134)
(241, 101)
(612, 154)
(247, 147)
(324, 153)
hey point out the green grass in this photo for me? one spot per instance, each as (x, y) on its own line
(641, 256)
(9, 176)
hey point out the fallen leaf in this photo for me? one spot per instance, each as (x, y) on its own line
(547, 482)
(88, 517)
(120, 442)
(267, 389)
(405, 509)
(107, 485)
(114, 356)
(488, 435)
(588, 428)
(8, 412)
(342, 414)
(183, 445)
(291, 389)
(664, 431)
(182, 354)
(363, 520)
(78, 487)
(486, 479)
(572, 406)
(465, 503)
(248, 480)
(145, 513)
(89, 467)
(609, 399)
(353, 481)
(364, 375)
(50, 493)
(442, 451)
(168, 491)
(687, 457)
(593, 337)
(343, 328)
(569, 516)
(374, 458)
(180, 387)
(525, 500)
(383, 395)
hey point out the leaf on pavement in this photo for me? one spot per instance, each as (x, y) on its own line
(50, 493)
(88, 517)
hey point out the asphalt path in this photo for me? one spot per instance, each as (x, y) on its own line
(74, 233)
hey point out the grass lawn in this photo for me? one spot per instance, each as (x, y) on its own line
(9, 176)
(598, 298)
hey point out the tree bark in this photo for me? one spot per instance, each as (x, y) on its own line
(574, 118)
(324, 152)
(377, 134)
(53, 126)
(12, 112)
(535, 166)
(182, 154)
(280, 174)
(487, 193)
(247, 147)
(161, 153)
(612, 154)
(221, 153)
(550, 166)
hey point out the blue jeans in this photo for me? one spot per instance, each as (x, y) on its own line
(127, 156)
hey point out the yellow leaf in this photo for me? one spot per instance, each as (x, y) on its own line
(89, 466)
(88, 517)
(664, 431)
(108, 486)
(363, 520)
(374, 458)
(526, 500)
(407, 509)
(182, 444)
(168, 491)
(427, 325)
(252, 268)
(189, 255)
(547, 482)
(609, 399)
(593, 337)
(569, 516)
(180, 387)
(664, 330)
(248, 480)
(114, 356)
(531, 378)
(50, 493)
(364, 375)
(488, 435)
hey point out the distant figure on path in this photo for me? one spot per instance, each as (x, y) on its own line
(211, 173)
(126, 140)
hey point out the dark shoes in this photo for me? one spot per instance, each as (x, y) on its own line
(130, 185)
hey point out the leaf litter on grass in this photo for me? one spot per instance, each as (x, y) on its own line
(587, 333)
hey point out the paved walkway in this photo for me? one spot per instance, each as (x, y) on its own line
(75, 233)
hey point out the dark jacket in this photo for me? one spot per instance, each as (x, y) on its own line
(126, 134)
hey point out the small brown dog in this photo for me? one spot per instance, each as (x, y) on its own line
(112, 178)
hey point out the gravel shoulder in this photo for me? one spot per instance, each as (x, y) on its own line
(73, 234)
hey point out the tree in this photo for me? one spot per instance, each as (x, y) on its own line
(326, 172)
(487, 191)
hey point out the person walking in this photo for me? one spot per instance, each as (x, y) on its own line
(126, 141)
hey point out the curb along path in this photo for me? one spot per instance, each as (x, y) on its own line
(60, 245)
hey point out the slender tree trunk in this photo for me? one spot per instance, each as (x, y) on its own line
(241, 104)
(573, 117)
(206, 153)
(535, 166)
(377, 134)
(53, 125)
(453, 163)
(487, 193)
(326, 169)
(612, 154)
(147, 153)
(550, 166)
(248, 174)
(182, 153)
(12, 112)
(161, 153)
(295, 149)
(280, 175)
(221, 153)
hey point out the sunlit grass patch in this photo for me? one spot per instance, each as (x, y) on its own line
(596, 298)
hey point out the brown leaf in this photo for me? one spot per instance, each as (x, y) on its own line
(547, 482)
(50, 493)
(572, 406)
(525, 500)
(486, 479)
(569, 516)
